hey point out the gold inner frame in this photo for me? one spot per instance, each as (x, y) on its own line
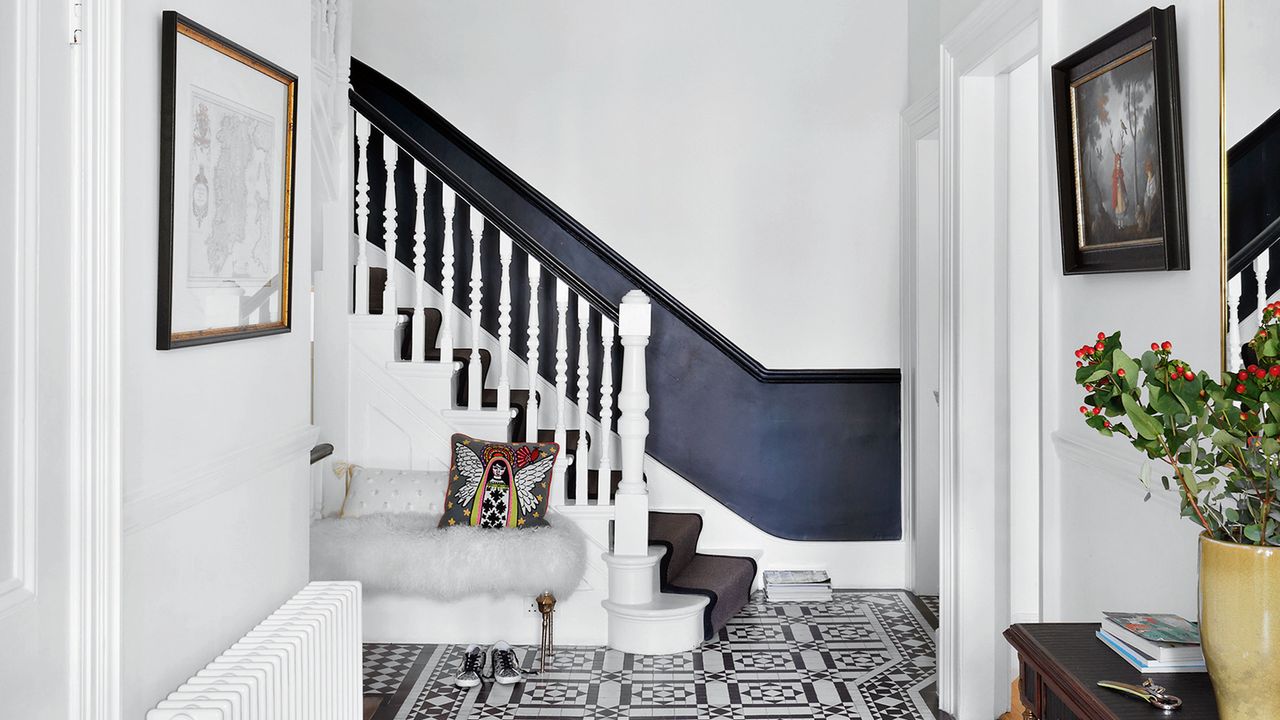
(286, 269)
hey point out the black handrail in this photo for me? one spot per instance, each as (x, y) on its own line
(320, 452)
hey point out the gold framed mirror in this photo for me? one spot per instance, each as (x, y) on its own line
(1249, 143)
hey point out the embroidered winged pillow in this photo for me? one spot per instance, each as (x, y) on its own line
(498, 484)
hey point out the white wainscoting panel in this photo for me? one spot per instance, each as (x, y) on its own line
(192, 485)
(1114, 459)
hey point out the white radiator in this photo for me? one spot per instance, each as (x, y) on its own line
(301, 663)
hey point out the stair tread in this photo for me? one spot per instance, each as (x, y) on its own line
(714, 572)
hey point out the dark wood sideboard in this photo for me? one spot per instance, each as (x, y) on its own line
(1061, 663)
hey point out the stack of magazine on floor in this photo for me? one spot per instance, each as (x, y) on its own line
(797, 585)
(1153, 643)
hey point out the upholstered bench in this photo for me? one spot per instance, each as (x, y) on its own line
(423, 583)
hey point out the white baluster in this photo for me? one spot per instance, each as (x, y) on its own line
(531, 409)
(562, 378)
(631, 518)
(1261, 267)
(605, 442)
(362, 215)
(584, 390)
(448, 204)
(390, 154)
(504, 326)
(475, 378)
(419, 351)
(1234, 361)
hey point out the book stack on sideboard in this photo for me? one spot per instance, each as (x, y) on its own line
(1153, 643)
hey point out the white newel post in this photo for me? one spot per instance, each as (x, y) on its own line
(531, 408)
(631, 518)
(504, 326)
(362, 215)
(1234, 361)
(419, 351)
(562, 378)
(475, 378)
(390, 155)
(605, 441)
(448, 204)
(582, 461)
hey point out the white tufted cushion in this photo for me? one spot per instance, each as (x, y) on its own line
(378, 490)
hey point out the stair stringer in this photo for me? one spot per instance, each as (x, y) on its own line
(389, 425)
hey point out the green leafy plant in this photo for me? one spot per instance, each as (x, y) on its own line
(1221, 439)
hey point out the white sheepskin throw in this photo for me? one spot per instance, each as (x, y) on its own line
(407, 553)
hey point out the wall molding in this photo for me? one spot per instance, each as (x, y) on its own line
(96, 463)
(1119, 466)
(185, 488)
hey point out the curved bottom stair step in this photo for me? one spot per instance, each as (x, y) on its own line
(724, 580)
(670, 623)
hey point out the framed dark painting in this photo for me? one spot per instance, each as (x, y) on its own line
(227, 143)
(1118, 136)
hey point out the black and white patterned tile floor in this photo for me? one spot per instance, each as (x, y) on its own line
(866, 654)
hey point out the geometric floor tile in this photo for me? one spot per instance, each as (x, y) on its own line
(865, 655)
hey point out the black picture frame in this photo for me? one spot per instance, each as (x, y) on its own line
(1128, 229)
(175, 25)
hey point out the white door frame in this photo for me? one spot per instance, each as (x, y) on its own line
(96, 286)
(919, 121)
(997, 37)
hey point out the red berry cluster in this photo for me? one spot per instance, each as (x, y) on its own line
(1257, 373)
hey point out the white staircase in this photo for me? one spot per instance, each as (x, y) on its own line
(403, 406)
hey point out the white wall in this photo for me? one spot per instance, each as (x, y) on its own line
(741, 152)
(211, 545)
(1095, 521)
(1253, 95)
(923, 36)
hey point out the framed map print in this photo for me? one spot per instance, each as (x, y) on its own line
(1118, 128)
(227, 146)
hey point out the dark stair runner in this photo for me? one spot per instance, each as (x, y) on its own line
(725, 580)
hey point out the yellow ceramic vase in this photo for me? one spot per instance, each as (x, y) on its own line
(1240, 627)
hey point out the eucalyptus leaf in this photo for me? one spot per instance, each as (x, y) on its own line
(1121, 361)
(1147, 426)
(1224, 439)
